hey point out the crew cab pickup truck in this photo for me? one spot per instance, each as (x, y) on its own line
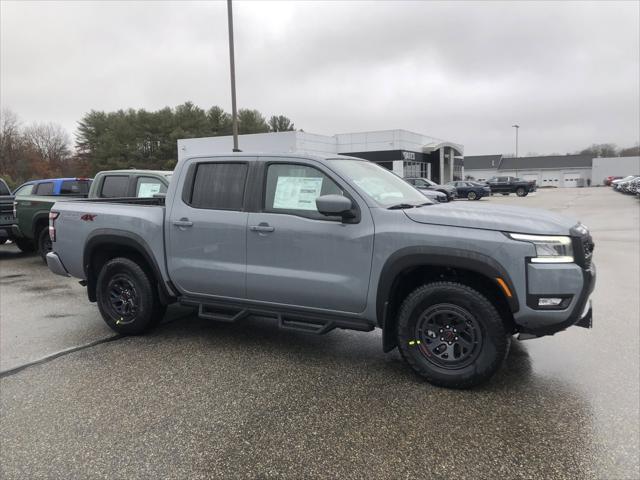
(317, 243)
(507, 185)
(33, 203)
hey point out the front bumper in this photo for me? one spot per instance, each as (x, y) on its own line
(55, 264)
(541, 323)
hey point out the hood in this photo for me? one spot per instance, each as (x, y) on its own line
(493, 217)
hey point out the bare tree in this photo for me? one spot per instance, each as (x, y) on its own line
(50, 143)
(10, 140)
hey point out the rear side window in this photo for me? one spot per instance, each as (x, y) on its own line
(4, 190)
(75, 187)
(115, 186)
(44, 188)
(149, 186)
(219, 186)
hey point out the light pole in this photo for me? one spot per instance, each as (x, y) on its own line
(517, 127)
(234, 113)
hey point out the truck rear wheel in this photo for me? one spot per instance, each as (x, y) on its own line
(127, 298)
(24, 245)
(451, 335)
(44, 244)
(521, 192)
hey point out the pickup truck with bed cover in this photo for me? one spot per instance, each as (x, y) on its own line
(324, 242)
(33, 200)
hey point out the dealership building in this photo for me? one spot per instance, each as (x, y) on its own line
(406, 153)
(551, 170)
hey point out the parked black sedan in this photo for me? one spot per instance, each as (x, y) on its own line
(471, 190)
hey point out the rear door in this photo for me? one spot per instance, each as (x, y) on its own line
(298, 257)
(206, 228)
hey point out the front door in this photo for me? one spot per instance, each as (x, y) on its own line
(298, 257)
(206, 229)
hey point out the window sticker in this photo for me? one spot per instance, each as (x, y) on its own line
(148, 189)
(297, 193)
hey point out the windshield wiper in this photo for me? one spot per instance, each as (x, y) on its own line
(400, 206)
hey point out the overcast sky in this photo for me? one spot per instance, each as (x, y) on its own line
(567, 72)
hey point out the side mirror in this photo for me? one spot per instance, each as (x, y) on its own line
(335, 205)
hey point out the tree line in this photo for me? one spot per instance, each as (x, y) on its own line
(121, 139)
(138, 138)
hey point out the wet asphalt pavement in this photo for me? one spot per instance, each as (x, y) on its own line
(198, 399)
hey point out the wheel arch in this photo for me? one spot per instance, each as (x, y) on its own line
(106, 244)
(414, 266)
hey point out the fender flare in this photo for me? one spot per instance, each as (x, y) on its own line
(111, 237)
(438, 257)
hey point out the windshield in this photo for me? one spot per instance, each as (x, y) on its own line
(379, 183)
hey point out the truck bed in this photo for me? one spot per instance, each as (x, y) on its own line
(82, 221)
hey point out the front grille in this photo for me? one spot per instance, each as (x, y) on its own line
(587, 250)
(582, 246)
(6, 208)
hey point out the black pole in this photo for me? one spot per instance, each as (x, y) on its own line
(234, 112)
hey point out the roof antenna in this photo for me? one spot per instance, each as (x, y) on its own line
(234, 113)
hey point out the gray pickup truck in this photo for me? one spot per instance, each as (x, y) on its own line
(318, 243)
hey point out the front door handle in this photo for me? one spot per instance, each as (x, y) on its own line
(183, 222)
(262, 228)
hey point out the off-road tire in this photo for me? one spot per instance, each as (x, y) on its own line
(149, 311)
(491, 353)
(44, 243)
(24, 245)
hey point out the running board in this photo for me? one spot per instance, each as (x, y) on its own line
(298, 322)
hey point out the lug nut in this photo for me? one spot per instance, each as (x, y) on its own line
(449, 343)
(456, 331)
(441, 330)
(456, 338)
(447, 326)
(442, 339)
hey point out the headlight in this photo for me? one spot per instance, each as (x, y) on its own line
(549, 249)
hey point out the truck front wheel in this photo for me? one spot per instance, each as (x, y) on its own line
(521, 192)
(451, 335)
(127, 297)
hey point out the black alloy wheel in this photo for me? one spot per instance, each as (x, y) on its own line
(124, 301)
(127, 297)
(521, 192)
(450, 336)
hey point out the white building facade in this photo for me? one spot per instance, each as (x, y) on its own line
(614, 166)
(406, 153)
(546, 171)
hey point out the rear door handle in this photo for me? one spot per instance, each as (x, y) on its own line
(183, 222)
(262, 228)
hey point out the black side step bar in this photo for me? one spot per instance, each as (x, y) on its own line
(299, 322)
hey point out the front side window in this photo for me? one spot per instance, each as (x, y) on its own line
(147, 187)
(293, 188)
(24, 190)
(378, 183)
(421, 183)
(44, 188)
(115, 186)
(219, 186)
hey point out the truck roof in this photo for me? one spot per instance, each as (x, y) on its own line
(136, 170)
(300, 154)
